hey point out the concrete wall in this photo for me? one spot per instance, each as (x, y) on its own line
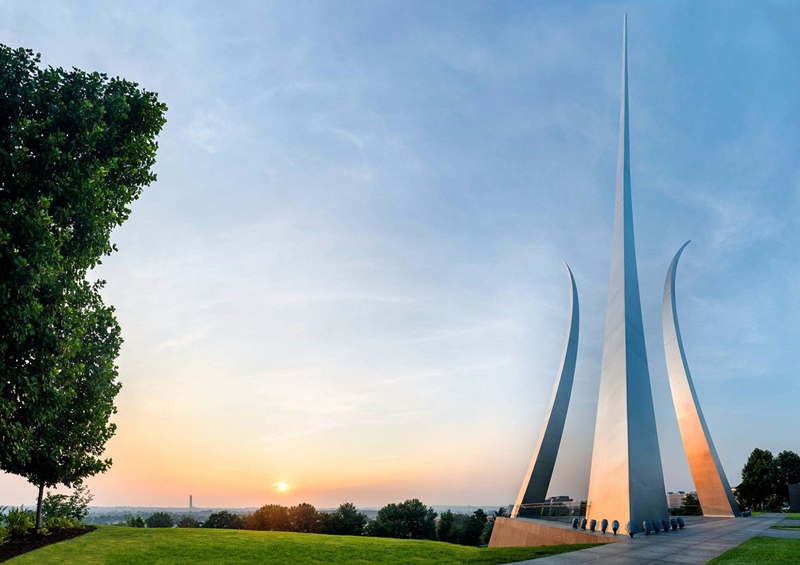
(520, 532)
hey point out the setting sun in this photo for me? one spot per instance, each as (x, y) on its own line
(282, 486)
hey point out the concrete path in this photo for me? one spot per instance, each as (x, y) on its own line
(703, 539)
(789, 534)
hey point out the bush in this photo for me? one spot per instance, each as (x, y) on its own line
(224, 520)
(159, 520)
(62, 522)
(19, 520)
(3, 534)
(345, 521)
(74, 506)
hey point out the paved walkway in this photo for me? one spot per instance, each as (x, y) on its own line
(790, 534)
(703, 539)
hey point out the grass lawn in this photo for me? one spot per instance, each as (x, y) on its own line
(116, 545)
(783, 527)
(775, 551)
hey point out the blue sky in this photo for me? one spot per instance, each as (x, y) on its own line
(347, 276)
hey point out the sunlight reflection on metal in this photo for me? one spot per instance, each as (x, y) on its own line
(540, 471)
(710, 481)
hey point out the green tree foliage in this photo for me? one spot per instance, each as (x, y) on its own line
(188, 522)
(345, 521)
(788, 463)
(159, 520)
(446, 529)
(407, 520)
(134, 522)
(304, 518)
(759, 481)
(690, 506)
(462, 529)
(224, 520)
(474, 528)
(76, 149)
(271, 517)
(74, 506)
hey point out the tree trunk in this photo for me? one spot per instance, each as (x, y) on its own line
(39, 507)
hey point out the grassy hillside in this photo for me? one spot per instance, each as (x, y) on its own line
(112, 545)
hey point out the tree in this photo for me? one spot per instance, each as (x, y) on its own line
(304, 518)
(346, 521)
(134, 522)
(788, 473)
(759, 479)
(76, 149)
(188, 522)
(690, 506)
(75, 506)
(408, 520)
(224, 520)
(446, 530)
(474, 528)
(159, 520)
(271, 517)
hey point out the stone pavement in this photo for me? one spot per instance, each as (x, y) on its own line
(703, 539)
(785, 533)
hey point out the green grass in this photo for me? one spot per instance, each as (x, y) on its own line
(790, 515)
(775, 551)
(785, 527)
(114, 545)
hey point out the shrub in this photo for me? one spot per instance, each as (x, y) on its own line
(159, 520)
(19, 520)
(3, 534)
(224, 520)
(62, 522)
(74, 506)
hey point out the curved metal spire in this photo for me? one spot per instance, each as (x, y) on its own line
(626, 482)
(540, 471)
(712, 486)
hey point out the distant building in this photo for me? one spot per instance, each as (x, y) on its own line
(190, 502)
(675, 499)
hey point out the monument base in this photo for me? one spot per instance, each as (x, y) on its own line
(521, 532)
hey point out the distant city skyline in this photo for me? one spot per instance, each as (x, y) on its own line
(347, 279)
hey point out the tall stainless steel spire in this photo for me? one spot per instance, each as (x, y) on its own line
(712, 486)
(540, 471)
(626, 481)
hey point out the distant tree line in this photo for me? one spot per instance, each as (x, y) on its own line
(405, 520)
(766, 479)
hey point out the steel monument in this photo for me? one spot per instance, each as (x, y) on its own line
(713, 490)
(626, 480)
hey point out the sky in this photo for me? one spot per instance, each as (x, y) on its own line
(348, 274)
